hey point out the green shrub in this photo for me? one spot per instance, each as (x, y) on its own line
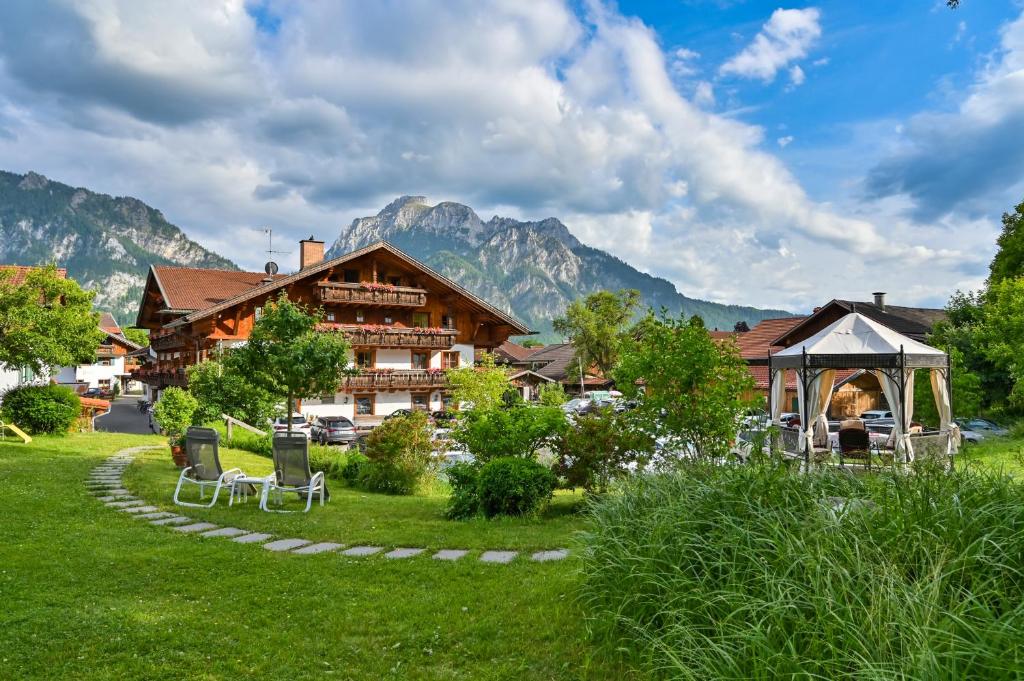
(515, 431)
(331, 461)
(174, 411)
(464, 501)
(599, 448)
(514, 486)
(399, 452)
(753, 572)
(42, 408)
(353, 467)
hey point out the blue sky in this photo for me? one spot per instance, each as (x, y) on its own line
(750, 152)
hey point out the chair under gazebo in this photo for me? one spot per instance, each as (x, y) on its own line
(859, 342)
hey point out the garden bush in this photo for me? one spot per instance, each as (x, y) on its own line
(513, 431)
(399, 452)
(464, 500)
(514, 486)
(599, 448)
(353, 467)
(753, 572)
(42, 408)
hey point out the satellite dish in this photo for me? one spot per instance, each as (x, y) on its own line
(270, 268)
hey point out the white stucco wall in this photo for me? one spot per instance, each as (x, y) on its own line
(390, 358)
(339, 408)
(466, 357)
(385, 403)
(92, 374)
(435, 359)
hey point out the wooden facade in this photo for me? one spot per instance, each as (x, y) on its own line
(403, 320)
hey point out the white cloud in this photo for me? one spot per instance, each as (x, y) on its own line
(786, 37)
(784, 142)
(497, 104)
(796, 75)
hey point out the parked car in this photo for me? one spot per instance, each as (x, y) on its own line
(982, 426)
(575, 403)
(873, 414)
(93, 393)
(299, 424)
(398, 412)
(788, 417)
(331, 430)
(970, 437)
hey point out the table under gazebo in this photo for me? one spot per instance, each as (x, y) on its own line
(859, 342)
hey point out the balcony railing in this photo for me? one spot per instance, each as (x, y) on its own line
(165, 341)
(106, 352)
(161, 379)
(373, 294)
(395, 336)
(414, 379)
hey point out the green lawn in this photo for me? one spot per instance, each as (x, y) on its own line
(357, 517)
(1005, 454)
(89, 593)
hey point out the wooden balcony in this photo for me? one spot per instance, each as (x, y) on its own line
(377, 295)
(106, 352)
(165, 341)
(161, 379)
(415, 379)
(396, 337)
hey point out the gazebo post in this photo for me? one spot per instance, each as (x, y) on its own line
(903, 401)
(949, 395)
(803, 407)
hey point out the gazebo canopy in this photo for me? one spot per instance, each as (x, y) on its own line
(858, 342)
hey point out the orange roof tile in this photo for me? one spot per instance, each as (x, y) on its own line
(514, 351)
(756, 343)
(187, 288)
(21, 271)
(109, 324)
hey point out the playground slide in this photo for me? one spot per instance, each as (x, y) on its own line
(17, 431)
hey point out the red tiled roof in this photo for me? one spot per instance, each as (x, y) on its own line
(514, 351)
(21, 271)
(722, 335)
(187, 288)
(109, 324)
(755, 344)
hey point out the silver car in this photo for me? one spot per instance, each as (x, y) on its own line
(333, 430)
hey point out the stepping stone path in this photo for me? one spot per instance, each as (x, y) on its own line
(322, 547)
(105, 483)
(362, 551)
(449, 554)
(498, 556)
(285, 544)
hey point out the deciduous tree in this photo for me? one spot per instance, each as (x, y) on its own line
(480, 387)
(598, 325)
(288, 357)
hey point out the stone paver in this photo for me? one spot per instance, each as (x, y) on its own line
(195, 527)
(545, 556)
(155, 516)
(139, 509)
(321, 547)
(252, 538)
(362, 550)
(116, 490)
(173, 520)
(449, 554)
(117, 497)
(286, 544)
(124, 504)
(225, 532)
(498, 556)
(403, 553)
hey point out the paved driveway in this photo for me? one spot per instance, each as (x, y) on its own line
(124, 417)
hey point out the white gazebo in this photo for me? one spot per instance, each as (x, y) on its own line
(859, 342)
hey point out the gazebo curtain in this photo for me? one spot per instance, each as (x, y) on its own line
(940, 389)
(902, 412)
(778, 393)
(816, 399)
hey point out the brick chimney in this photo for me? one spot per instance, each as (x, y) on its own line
(311, 252)
(879, 299)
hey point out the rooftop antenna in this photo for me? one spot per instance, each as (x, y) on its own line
(271, 267)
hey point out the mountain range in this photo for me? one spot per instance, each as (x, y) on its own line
(106, 243)
(531, 269)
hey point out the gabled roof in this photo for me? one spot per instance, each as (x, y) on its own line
(109, 324)
(756, 343)
(188, 289)
(21, 271)
(282, 281)
(916, 322)
(513, 352)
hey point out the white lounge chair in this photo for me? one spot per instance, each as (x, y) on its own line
(292, 474)
(204, 469)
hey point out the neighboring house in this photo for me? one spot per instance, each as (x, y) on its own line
(552, 363)
(915, 322)
(10, 377)
(405, 322)
(113, 366)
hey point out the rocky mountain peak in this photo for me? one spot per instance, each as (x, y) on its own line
(33, 180)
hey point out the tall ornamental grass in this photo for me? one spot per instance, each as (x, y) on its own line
(756, 573)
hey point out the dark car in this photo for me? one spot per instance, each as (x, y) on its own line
(443, 419)
(93, 392)
(333, 430)
(398, 412)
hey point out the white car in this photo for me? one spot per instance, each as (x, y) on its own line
(875, 414)
(299, 425)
